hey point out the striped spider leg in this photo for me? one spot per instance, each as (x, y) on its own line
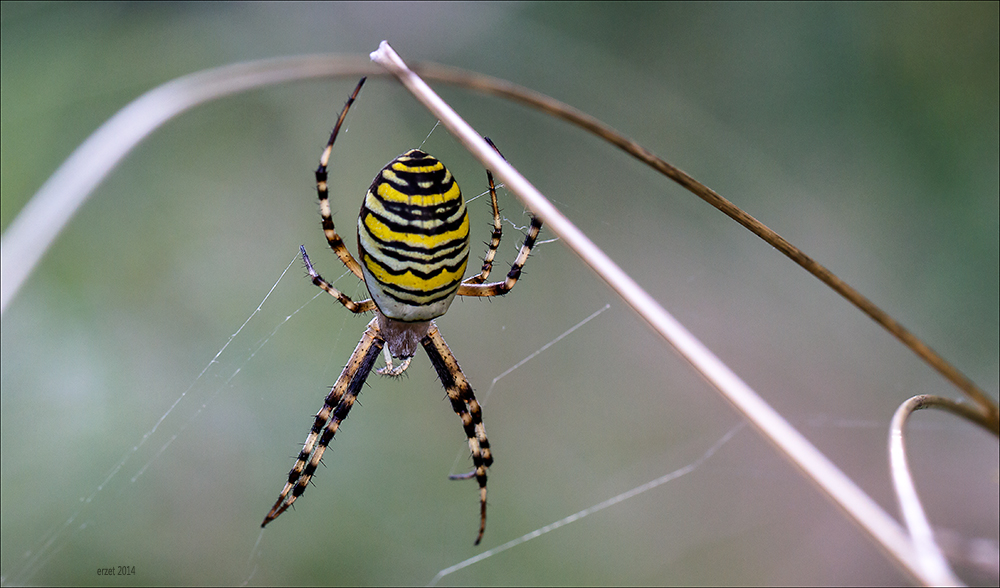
(413, 250)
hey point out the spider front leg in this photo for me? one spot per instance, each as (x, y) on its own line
(335, 409)
(474, 285)
(469, 288)
(494, 244)
(464, 403)
(355, 307)
(336, 243)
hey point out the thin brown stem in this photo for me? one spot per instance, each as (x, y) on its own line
(511, 91)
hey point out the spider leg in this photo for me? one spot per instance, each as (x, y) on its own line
(501, 288)
(335, 408)
(336, 243)
(464, 403)
(391, 370)
(474, 286)
(355, 307)
(494, 244)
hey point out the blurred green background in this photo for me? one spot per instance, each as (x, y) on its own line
(865, 134)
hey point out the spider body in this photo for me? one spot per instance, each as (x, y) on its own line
(413, 250)
(413, 238)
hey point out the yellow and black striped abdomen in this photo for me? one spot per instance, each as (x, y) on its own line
(413, 238)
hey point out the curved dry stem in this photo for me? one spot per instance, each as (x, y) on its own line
(38, 224)
(511, 91)
(929, 554)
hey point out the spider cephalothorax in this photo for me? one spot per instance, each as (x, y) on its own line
(413, 248)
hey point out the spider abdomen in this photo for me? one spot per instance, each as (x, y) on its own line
(413, 238)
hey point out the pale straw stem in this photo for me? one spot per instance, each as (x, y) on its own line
(886, 531)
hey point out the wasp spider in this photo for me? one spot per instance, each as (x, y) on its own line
(413, 248)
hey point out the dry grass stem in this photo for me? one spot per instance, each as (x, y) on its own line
(931, 558)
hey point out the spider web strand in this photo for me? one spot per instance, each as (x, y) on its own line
(37, 558)
(590, 510)
(565, 334)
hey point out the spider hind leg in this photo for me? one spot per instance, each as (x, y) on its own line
(465, 405)
(335, 409)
